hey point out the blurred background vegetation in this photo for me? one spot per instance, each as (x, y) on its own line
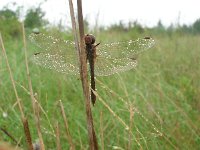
(164, 90)
(34, 18)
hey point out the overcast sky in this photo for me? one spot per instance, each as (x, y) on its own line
(146, 12)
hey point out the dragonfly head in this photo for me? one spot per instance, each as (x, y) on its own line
(89, 39)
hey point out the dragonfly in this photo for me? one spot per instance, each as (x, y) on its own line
(103, 59)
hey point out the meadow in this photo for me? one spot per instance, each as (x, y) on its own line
(154, 106)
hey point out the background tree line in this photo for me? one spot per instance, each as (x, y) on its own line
(10, 24)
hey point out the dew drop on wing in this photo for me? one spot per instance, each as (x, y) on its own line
(120, 56)
(54, 53)
(111, 58)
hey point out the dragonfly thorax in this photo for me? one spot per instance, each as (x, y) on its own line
(89, 39)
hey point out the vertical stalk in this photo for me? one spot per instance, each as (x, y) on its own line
(90, 126)
(69, 138)
(83, 71)
(33, 99)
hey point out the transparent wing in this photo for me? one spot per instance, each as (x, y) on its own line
(107, 66)
(55, 54)
(126, 49)
(111, 58)
(119, 56)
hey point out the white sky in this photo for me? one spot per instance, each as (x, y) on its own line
(146, 12)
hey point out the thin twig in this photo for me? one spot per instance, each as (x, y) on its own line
(37, 119)
(69, 138)
(75, 33)
(12, 79)
(101, 130)
(111, 111)
(58, 146)
(41, 108)
(10, 136)
(130, 127)
(33, 100)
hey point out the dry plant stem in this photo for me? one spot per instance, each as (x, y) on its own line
(69, 138)
(18, 142)
(74, 27)
(10, 136)
(27, 133)
(83, 71)
(101, 131)
(43, 111)
(58, 146)
(12, 80)
(130, 127)
(160, 133)
(111, 111)
(24, 120)
(37, 120)
(33, 100)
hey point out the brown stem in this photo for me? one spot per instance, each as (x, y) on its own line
(90, 126)
(58, 146)
(9, 135)
(69, 138)
(35, 106)
(27, 133)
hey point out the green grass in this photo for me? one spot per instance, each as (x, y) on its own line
(163, 91)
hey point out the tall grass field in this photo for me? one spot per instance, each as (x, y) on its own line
(155, 106)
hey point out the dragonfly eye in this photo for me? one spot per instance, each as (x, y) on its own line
(89, 39)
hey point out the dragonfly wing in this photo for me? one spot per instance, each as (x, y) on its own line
(107, 66)
(126, 49)
(56, 62)
(55, 54)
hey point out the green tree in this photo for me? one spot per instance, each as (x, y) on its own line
(9, 23)
(160, 27)
(196, 26)
(34, 18)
